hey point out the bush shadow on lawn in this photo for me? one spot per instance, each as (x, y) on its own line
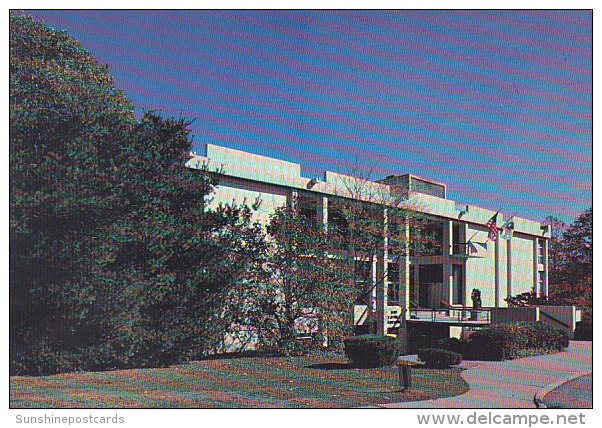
(240, 355)
(350, 366)
(331, 366)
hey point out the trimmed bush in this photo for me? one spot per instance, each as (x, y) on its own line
(372, 351)
(509, 341)
(452, 344)
(544, 336)
(584, 328)
(439, 358)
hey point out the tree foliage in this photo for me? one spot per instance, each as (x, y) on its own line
(532, 299)
(577, 243)
(115, 258)
(571, 260)
(67, 122)
(570, 264)
(369, 212)
(305, 290)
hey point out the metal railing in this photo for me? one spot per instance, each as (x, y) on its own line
(451, 315)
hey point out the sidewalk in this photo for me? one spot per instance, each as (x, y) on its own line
(512, 384)
(574, 394)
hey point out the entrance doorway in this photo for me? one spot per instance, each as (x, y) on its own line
(430, 278)
(458, 285)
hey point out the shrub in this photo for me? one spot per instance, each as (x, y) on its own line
(372, 351)
(510, 340)
(498, 342)
(584, 328)
(543, 336)
(439, 358)
(452, 344)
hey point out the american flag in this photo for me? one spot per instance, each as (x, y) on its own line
(492, 227)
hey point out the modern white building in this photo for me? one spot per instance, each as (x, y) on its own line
(422, 288)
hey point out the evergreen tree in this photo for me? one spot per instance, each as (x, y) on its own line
(571, 260)
(577, 242)
(68, 125)
(115, 258)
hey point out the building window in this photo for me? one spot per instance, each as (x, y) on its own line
(308, 207)
(541, 283)
(393, 284)
(362, 272)
(338, 226)
(432, 189)
(457, 246)
(540, 251)
(397, 239)
(430, 238)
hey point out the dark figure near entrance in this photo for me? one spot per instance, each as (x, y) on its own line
(476, 299)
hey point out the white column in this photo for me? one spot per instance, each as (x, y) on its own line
(545, 266)
(509, 267)
(416, 278)
(463, 237)
(372, 295)
(446, 260)
(535, 268)
(497, 272)
(322, 211)
(322, 220)
(416, 235)
(404, 286)
(292, 196)
(381, 286)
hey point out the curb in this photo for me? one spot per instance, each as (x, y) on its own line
(540, 394)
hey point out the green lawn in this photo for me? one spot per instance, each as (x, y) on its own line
(319, 380)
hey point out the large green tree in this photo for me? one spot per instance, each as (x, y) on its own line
(577, 241)
(570, 264)
(577, 249)
(115, 258)
(68, 125)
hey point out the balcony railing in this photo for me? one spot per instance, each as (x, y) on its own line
(451, 315)
(460, 249)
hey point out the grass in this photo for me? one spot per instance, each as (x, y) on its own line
(316, 381)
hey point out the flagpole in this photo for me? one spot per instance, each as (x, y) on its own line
(510, 218)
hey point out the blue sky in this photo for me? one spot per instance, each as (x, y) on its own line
(495, 104)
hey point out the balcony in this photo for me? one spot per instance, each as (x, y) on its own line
(466, 317)
(462, 317)
(460, 249)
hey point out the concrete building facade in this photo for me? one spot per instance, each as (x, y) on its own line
(422, 287)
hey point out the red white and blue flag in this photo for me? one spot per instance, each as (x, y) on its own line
(492, 227)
